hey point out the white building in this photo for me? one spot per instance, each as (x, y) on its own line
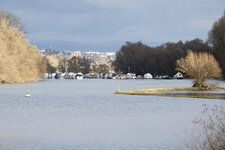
(98, 55)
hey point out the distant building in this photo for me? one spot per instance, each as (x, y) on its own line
(88, 55)
(75, 53)
(42, 52)
(98, 55)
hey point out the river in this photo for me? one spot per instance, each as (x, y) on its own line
(86, 115)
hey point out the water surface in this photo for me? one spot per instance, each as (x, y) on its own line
(86, 115)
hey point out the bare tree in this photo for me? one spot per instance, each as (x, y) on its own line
(13, 20)
(209, 133)
(103, 68)
(62, 67)
(200, 66)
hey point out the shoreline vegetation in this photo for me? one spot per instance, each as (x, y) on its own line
(163, 92)
(20, 61)
(21, 82)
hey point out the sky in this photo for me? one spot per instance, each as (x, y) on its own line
(105, 25)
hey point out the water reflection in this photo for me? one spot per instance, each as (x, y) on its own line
(200, 94)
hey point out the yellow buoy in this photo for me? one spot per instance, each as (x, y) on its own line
(28, 94)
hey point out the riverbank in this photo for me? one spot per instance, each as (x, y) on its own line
(166, 92)
(20, 82)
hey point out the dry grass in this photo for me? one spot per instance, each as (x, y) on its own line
(159, 92)
(20, 61)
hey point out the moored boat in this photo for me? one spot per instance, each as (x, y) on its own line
(79, 76)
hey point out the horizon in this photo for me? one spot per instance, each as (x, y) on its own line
(68, 46)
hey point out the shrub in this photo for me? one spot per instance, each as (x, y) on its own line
(19, 61)
(199, 66)
(212, 132)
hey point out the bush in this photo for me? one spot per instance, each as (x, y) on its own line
(20, 61)
(212, 135)
(199, 66)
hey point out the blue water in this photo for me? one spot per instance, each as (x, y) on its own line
(86, 115)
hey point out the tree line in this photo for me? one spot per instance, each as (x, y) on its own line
(140, 58)
(77, 64)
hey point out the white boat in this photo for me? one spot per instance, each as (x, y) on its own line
(91, 76)
(70, 75)
(147, 76)
(178, 76)
(53, 75)
(139, 77)
(133, 76)
(79, 76)
(63, 75)
(74, 76)
(129, 76)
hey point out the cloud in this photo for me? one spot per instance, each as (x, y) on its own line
(54, 6)
(110, 21)
(119, 4)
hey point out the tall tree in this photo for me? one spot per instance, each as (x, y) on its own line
(78, 64)
(73, 65)
(140, 59)
(217, 39)
(50, 68)
(62, 65)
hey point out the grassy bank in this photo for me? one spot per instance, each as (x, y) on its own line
(162, 92)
